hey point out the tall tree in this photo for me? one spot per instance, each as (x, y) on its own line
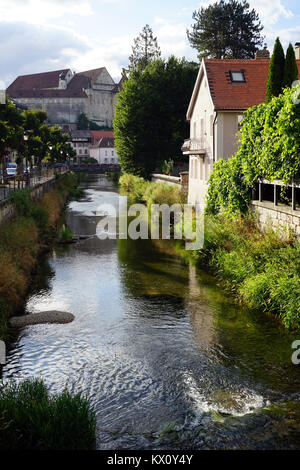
(290, 67)
(11, 131)
(226, 30)
(82, 122)
(144, 50)
(276, 71)
(149, 122)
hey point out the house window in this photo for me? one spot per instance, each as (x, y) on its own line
(112, 152)
(237, 76)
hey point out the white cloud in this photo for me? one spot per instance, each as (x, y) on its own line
(171, 37)
(39, 11)
(28, 49)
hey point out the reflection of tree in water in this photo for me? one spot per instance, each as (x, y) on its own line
(42, 276)
(147, 270)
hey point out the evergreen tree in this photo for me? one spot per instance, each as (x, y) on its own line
(290, 67)
(82, 122)
(144, 50)
(149, 123)
(226, 30)
(276, 71)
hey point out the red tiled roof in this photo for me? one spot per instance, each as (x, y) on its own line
(75, 88)
(36, 81)
(98, 135)
(92, 74)
(228, 95)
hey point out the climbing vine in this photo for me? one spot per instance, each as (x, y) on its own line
(269, 149)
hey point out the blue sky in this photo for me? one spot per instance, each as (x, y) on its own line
(42, 35)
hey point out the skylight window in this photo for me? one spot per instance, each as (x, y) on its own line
(237, 76)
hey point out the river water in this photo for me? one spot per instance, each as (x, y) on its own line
(168, 360)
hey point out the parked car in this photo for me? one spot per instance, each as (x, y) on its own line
(11, 172)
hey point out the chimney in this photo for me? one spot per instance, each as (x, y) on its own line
(262, 54)
(297, 50)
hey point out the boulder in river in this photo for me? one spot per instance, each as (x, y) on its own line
(49, 316)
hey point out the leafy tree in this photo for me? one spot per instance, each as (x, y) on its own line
(276, 71)
(144, 50)
(60, 149)
(35, 148)
(290, 67)
(11, 131)
(149, 122)
(226, 30)
(82, 122)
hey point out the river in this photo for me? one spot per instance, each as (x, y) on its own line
(168, 360)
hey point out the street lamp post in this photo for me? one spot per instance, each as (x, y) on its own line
(25, 137)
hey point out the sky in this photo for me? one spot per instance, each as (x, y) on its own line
(43, 35)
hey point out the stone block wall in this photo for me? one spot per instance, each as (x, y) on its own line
(282, 217)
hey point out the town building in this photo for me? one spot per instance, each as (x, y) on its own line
(104, 151)
(223, 91)
(64, 95)
(81, 142)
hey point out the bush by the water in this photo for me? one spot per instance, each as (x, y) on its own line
(147, 192)
(263, 269)
(33, 419)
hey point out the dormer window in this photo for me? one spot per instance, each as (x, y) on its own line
(237, 76)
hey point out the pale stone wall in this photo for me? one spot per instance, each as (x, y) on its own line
(280, 217)
(59, 110)
(101, 99)
(98, 105)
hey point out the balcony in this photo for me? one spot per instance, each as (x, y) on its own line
(193, 147)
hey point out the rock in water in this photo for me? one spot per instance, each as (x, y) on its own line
(50, 316)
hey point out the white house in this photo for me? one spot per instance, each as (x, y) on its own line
(104, 151)
(223, 91)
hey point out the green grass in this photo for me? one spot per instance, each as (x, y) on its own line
(147, 192)
(31, 418)
(261, 268)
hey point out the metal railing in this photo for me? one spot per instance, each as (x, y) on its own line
(265, 192)
(28, 181)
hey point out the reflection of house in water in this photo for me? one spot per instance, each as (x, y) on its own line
(201, 312)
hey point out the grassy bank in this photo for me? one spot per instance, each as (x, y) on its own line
(146, 192)
(262, 269)
(31, 418)
(22, 239)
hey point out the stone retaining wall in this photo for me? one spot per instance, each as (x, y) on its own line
(182, 180)
(280, 216)
(7, 209)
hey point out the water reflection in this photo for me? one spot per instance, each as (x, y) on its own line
(155, 342)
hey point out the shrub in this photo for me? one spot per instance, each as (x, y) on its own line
(66, 234)
(261, 268)
(31, 418)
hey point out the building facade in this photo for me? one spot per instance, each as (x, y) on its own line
(223, 91)
(104, 151)
(64, 95)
